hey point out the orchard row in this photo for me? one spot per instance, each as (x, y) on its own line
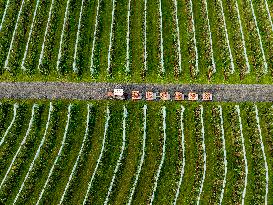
(107, 152)
(130, 40)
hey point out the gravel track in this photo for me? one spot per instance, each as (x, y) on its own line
(98, 91)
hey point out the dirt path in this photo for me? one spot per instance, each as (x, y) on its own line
(84, 91)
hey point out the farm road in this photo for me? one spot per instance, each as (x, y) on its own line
(97, 91)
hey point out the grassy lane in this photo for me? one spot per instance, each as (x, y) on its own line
(256, 178)
(134, 134)
(69, 39)
(233, 27)
(14, 138)
(81, 156)
(235, 158)
(170, 172)
(137, 40)
(102, 45)
(217, 40)
(266, 121)
(36, 38)
(144, 188)
(73, 142)
(6, 115)
(191, 40)
(183, 26)
(169, 41)
(266, 32)
(190, 156)
(86, 38)
(7, 31)
(201, 27)
(119, 40)
(196, 190)
(25, 156)
(20, 38)
(37, 177)
(106, 168)
(220, 45)
(91, 152)
(252, 39)
(153, 40)
(52, 41)
(215, 168)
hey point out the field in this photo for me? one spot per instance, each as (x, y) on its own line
(95, 152)
(178, 41)
(126, 152)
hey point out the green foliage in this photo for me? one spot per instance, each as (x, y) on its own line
(170, 173)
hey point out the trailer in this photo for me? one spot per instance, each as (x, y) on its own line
(207, 96)
(119, 94)
(136, 95)
(178, 96)
(192, 96)
(165, 96)
(150, 95)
